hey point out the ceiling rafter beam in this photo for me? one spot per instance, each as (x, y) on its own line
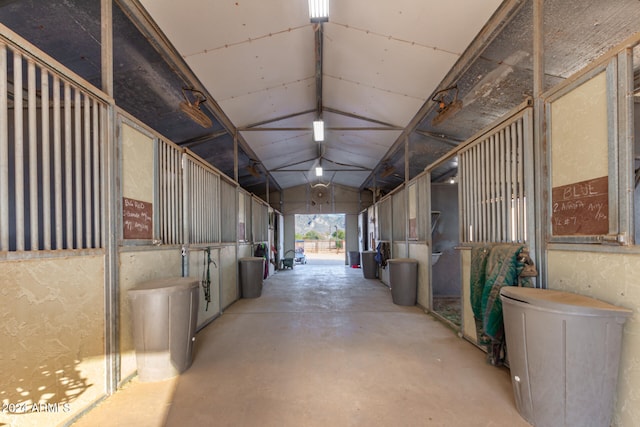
(325, 169)
(454, 142)
(282, 168)
(312, 159)
(274, 120)
(202, 139)
(359, 117)
(310, 129)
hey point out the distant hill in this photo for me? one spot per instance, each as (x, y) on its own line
(324, 224)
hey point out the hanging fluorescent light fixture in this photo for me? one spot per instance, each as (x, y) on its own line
(319, 10)
(318, 130)
(319, 168)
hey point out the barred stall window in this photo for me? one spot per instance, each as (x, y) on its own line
(202, 201)
(495, 181)
(384, 219)
(170, 186)
(50, 158)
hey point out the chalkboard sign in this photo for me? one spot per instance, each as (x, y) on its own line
(137, 219)
(581, 208)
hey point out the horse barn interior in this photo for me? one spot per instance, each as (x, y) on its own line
(144, 140)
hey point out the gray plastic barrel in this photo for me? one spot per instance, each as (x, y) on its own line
(354, 258)
(165, 313)
(403, 280)
(564, 352)
(251, 276)
(369, 264)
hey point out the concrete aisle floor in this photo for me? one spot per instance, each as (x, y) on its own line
(322, 346)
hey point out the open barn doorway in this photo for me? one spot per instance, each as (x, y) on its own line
(319, 239)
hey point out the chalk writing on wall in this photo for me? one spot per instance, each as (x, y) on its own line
(137, 219)
(581, 208)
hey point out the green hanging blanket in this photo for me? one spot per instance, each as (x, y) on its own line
(492, 267)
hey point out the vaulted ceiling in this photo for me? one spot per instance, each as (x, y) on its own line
(379, 63)
(373, 73)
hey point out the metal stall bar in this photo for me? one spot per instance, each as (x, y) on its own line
(179, 197)
(529, 182)
(190, 188)
(173, 167)
(33, 155)
(463, 194)
(473, 189)
(46, 160)
(484, 236)
(492, 187)
(175, 194)
(88, 231)
(19, 149)
(464, 197)
(508, 188)
(200, 204)
(162, 191)
(186, 194)
(77, 169)
(514, 179)
(57, 161)
(498, 185)
(196, 204)
(495, 185)
(68, 147)
(482, 170)
(520, 179)
(217, 222)
(501, 192)
(504, 182)
(199, 184)
(206, 180)
(468, 158)
(516, 190)
(521, 207)
(466, 205)
(205, 226)
(206, 205)
(97, 208)
(192, 196)
(4, 151)
(218, 212)
(215, 209)
(170, 172)
(476, 191)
